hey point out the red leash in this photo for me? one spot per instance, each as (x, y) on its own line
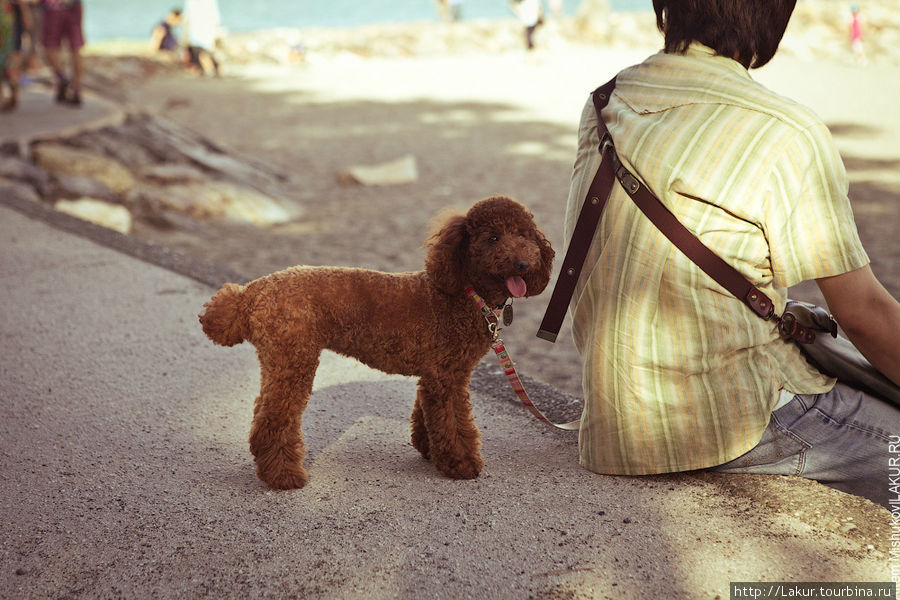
(509, 368)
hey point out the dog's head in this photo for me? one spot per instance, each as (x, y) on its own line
(495, 247)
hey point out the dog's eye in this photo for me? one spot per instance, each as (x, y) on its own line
(493, 239)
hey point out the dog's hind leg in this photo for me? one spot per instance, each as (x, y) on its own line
(454, 441)
(276, 438)
(417, 426)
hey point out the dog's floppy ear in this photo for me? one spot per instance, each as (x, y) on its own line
(547, 254)
(446, 256)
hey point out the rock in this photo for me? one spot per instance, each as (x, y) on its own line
(182, 145)
(18, 190)
(309, 44)
(214, 199)
(21, 170)
(848, 527)
(590, 11)
(402, 170)
(111, 216)
(79, 186)
(122, 141)
(171, 220)
(171, 173)
(59, 159)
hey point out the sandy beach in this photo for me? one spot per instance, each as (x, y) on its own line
(481, 117)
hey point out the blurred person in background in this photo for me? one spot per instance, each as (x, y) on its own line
(15, 20)
(443, 7)
(31, 42)
(556, 7)
(456, 10)
(163, 38)
(202, 22)
(63, 21)
(531, 14)
(857, 22)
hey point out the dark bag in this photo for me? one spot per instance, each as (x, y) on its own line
(811, 327)
(835, 355)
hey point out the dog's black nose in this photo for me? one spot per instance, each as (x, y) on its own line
(522, 265)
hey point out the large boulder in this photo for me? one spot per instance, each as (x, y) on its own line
(21, 170)
(169, 173)
(395, 172)
(18, 190)
(111, 216)
(214, 200)
(79, 186)
(59, 159)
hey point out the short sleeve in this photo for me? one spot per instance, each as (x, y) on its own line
(808, 219)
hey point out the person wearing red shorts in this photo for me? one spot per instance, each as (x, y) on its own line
(62, 21)
(15, 20)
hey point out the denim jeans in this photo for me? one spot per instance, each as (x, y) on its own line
(839, 438)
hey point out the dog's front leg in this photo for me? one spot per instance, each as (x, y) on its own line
(454, 442)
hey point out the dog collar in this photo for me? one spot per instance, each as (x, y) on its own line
(492, 316)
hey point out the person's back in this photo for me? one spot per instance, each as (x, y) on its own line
(678, 373)
(675, 345)
(203, 22)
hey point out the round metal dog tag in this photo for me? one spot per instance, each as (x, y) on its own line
(507, 315)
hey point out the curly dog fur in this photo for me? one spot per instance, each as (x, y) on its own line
(420, 324)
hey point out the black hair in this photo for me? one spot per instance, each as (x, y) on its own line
(748, 31)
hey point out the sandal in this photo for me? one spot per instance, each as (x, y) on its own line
(62, 86)
(73, 99)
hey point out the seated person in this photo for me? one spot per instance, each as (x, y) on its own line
(163, 37)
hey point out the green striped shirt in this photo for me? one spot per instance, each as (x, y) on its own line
(678, 374)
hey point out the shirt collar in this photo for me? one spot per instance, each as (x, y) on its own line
(697, 76)
(701, 51)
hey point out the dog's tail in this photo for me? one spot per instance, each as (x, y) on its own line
(224, 316)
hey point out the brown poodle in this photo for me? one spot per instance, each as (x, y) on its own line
(421, 324)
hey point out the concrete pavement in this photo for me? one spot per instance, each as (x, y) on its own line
(125, 470)
(39, 116)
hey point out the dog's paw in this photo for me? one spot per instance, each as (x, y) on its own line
(420, 443)
(281, 468)
(287, 478)
(468, 467)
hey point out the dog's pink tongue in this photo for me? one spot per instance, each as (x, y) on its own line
(516, 286)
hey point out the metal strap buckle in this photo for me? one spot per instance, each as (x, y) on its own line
(606, 143)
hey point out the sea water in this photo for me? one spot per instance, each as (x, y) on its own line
(134, 19)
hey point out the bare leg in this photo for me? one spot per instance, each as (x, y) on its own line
(77, 72)
(12, 78)
(62, 82)
(10, 104)
(54, 60)
(208, 63)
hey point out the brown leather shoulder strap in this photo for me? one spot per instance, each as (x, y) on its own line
(589, 217)
(585, 226)
(724, 274)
